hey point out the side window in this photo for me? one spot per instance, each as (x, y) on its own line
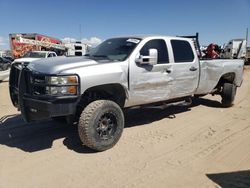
(182, 51)
(51, 55)
(161, 47)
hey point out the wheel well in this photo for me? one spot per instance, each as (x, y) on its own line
(114, 92)
(226, 78)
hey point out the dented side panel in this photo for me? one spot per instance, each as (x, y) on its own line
(149, 84)
(213, 70)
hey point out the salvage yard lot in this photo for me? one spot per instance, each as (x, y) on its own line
(201, 146)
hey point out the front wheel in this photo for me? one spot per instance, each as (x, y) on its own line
(101, 125)
(228, 94)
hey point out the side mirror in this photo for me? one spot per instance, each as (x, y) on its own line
(152, 59)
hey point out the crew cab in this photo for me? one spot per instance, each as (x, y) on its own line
(120, 73)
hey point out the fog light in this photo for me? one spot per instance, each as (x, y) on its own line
(53, 90)
(64, 90)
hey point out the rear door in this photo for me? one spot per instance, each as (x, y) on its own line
(185, 70)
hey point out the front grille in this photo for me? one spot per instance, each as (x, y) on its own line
(38, 79)
(39, 82)
(35, 83)
(27, 76)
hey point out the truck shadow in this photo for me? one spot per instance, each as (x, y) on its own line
(231, 179)
(206, 102)
(32, 137)
(142, 116)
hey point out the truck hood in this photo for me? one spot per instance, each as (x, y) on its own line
(58, 64)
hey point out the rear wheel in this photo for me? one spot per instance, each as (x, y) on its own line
(101, 125)
(228, 94)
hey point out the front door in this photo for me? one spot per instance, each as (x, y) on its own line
(150, 83)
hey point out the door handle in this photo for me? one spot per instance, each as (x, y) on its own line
(168, 71)
(193, 69)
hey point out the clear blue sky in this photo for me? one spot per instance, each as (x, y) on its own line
(216, 20)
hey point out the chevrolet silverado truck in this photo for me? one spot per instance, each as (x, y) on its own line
(120, 73)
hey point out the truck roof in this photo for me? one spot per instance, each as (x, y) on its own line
(141, 36)
(152, 36)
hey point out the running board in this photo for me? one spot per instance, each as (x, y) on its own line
(184, 103)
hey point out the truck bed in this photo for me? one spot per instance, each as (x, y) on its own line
(213, 69)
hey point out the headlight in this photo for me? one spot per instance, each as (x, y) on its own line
(62, 80)
(62, 85)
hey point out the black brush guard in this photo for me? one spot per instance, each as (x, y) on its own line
(37, 107)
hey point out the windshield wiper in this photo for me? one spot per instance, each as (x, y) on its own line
(100, 56)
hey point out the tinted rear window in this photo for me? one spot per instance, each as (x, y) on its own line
(182, 51)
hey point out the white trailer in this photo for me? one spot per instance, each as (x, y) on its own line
(235, 49)
(76, 49)
(248, 55)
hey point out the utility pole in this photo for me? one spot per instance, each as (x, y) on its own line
(80, 30)
(247, 35)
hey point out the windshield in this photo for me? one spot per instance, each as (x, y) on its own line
(116, 49)
(35, 54)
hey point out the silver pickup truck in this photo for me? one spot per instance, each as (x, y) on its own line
(124, 72)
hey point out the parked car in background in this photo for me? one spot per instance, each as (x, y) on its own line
(5, 65)
(35, 55)
(9, 58)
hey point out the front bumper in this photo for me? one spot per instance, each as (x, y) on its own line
(35, 109)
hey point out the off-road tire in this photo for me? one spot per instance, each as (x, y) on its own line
(228, 94)
(101, 124)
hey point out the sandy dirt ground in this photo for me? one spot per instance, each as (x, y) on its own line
(201, 146)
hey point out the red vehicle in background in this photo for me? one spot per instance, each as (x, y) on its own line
(21, 43)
